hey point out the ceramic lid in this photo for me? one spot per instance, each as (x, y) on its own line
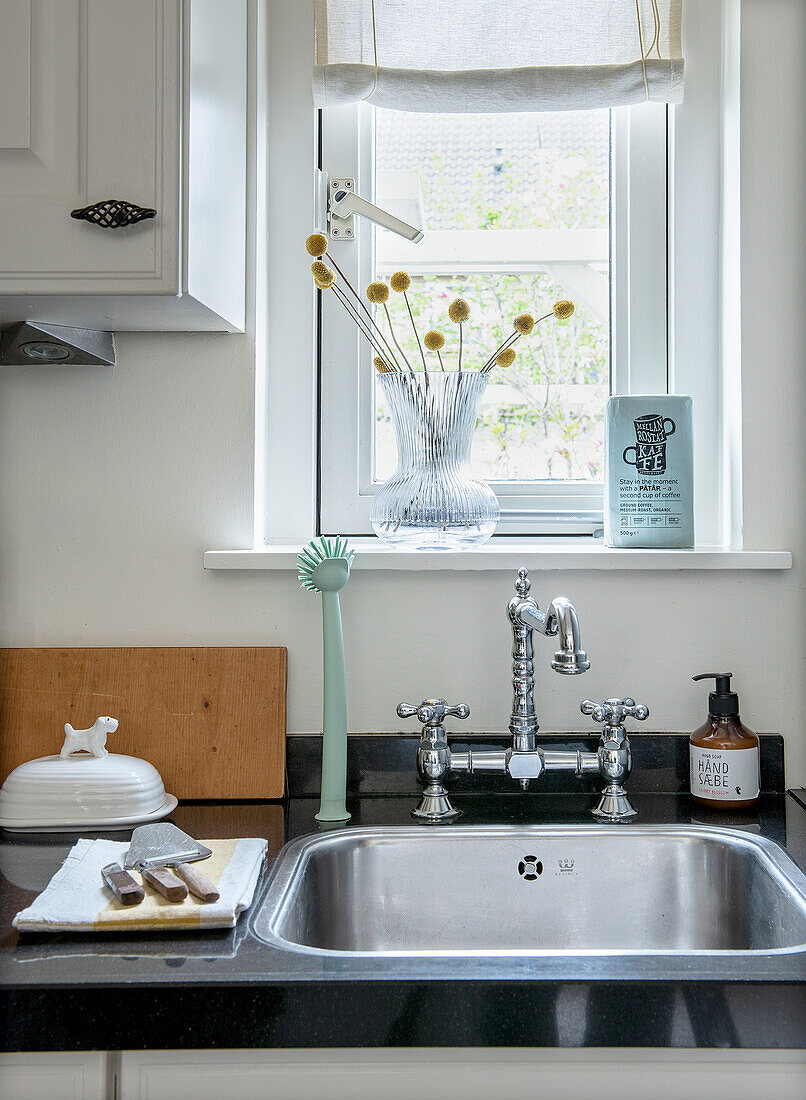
(81, 786)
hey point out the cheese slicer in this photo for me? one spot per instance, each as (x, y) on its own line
(162, 853)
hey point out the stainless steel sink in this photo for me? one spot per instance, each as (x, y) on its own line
(542, 890)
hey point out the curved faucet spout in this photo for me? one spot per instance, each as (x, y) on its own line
(570, 658)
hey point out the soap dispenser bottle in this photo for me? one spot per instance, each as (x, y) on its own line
(724, 769)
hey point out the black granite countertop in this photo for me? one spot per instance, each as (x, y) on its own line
(228, 989)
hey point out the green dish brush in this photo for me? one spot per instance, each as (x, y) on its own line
(324, 567)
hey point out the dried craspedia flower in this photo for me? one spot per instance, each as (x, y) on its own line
(458, 311)
(378, 293)
(381, 367)
(400, 281)
(322, 275)
(523, 323)
(434, 340)
(316, 244)
(563, 309)
(506, 358)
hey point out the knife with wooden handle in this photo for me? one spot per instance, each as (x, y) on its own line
(126, 889)
(198, 884)
(165, 882)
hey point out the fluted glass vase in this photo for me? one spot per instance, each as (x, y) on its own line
(433, 501)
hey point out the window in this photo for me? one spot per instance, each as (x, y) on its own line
(518, 210)
(317, 429)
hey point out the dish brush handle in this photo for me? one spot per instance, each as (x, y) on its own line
(334, 719)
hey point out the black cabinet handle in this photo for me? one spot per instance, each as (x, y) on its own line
(113, 213)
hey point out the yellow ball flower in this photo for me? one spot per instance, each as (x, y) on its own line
(400, 281)
(322, 275)
(505, 358)
(378, 293)
(434, 340)
(381, 367)
(523, 323)
(563, 309)
(316, 244)
(458, 311)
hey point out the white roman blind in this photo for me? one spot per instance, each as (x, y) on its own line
(497, 55)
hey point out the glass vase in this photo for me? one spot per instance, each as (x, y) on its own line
(433, 501)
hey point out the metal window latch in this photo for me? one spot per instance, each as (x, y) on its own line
(337, 205)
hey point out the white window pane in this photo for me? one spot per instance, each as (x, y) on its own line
(516, 210)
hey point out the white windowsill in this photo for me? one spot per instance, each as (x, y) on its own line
(512, 553)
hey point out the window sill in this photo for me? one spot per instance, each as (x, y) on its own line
(513, 553)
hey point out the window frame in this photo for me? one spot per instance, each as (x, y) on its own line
(293, 402)
(638, 327)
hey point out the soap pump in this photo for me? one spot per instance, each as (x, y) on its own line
(723, 754)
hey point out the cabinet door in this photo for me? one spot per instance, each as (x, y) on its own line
(68, 1076)
(470, 1073)
(91, 111)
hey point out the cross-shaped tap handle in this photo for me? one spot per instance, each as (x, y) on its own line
(433, 712)
(614, 711)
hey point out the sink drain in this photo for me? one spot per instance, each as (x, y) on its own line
(529, 868)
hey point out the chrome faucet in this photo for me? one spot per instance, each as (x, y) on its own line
(525, 760)
(570, 659)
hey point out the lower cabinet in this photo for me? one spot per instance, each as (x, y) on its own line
(64, 1075)
(473, 1074)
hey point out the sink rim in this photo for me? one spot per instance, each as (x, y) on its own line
(292, 858)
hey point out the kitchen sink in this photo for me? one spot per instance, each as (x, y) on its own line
(538, 890)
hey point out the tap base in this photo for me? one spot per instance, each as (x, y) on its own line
(435, 807)
(614, 805)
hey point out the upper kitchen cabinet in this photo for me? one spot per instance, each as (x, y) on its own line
(139, 101)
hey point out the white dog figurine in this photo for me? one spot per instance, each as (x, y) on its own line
(93, 739)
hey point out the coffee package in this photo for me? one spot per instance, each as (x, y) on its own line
(649, 472)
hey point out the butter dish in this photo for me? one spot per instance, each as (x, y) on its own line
(84, 787)
(76, 900)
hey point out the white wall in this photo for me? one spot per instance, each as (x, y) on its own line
(115, 481)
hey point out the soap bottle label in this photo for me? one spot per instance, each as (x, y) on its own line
(724, 775)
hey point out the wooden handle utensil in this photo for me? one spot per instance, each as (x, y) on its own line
(163, 845)
(165, 882)
(126, 889)
(197, 883)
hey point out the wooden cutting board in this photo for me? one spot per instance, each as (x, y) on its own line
(210, 720)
